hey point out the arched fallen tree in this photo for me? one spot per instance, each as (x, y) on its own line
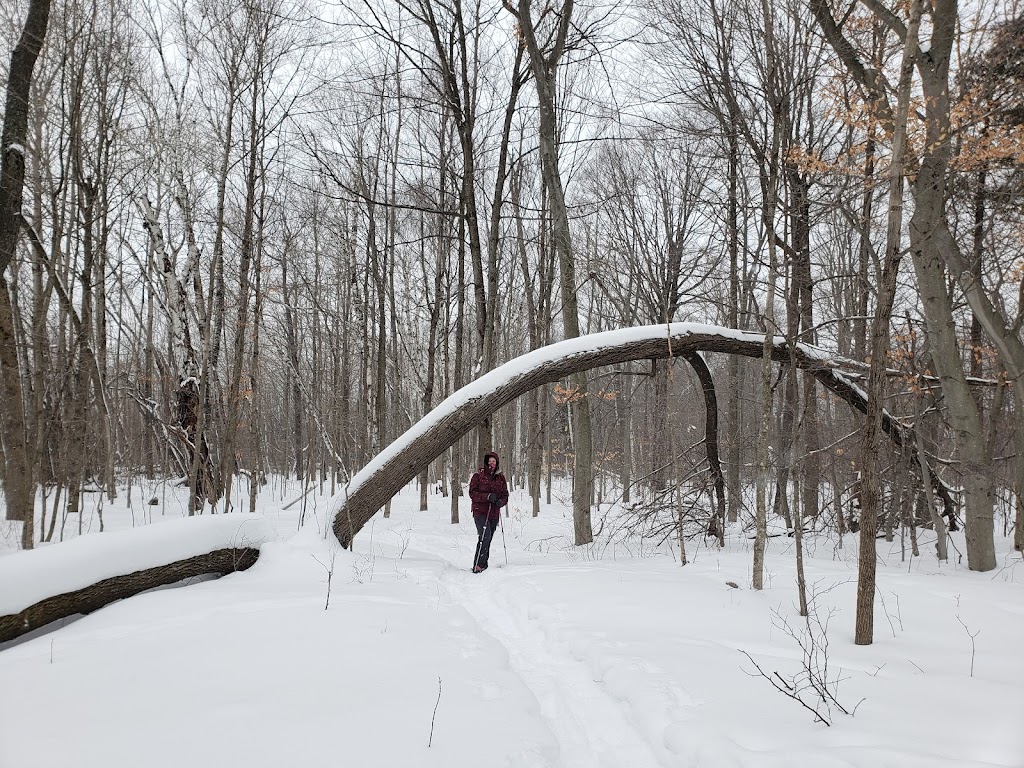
(84, 574)
(407, 456)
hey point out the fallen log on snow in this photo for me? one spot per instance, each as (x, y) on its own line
(40, 586)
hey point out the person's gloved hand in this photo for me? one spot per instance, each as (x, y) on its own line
(492, 497)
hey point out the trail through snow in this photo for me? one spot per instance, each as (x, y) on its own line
(590, 725)
(594, 726)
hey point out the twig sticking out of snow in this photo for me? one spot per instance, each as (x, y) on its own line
(330, 574)
(786, 688)
(972, 636)
(813, 686)
(434, 716)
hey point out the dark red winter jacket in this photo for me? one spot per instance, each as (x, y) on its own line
(483, 484)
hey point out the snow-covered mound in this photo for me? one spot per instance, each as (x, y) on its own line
(34, 575)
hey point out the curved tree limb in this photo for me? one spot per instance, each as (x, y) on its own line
(707, 384)
(401, 461)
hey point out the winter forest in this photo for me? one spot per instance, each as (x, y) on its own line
(721, 281)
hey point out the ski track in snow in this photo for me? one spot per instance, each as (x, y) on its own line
(591, 728)
(590, 725)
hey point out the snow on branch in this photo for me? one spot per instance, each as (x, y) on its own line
(404, 458)
(86, 573)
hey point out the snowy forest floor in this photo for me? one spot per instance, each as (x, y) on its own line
(607, 656)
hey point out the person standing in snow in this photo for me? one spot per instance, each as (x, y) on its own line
(489, 493)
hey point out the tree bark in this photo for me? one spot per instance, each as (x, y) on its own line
(95, 596)
(19, 483)
(188, 409)
(871, 436)
(707, 385)
(545, 66)
(933, 249)
(534, 444)
(255, 170)
(15, 131)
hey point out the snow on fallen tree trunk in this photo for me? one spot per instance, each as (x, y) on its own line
(406, 457)
(84, 574)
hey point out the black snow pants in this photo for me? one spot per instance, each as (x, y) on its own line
(485, 532)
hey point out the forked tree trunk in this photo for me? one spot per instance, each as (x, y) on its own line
(187, 407)
(934, 250)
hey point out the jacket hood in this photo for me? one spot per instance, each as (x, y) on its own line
(497, 461)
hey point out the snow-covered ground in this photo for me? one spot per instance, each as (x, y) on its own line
(611, 655)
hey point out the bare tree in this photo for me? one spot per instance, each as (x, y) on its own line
(880, 329)
(934, 251)
(545, 39)
(19, 484)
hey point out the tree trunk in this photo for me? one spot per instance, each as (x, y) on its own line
(19, 483)
(544, 66)
(247, 245)
(458, 374)
(930, 245)
(733, 442)
(871, 437)
(534, 443)
(934, 250)
(292, 351)
(707, 384)
(189, 415)
(626, 474)
(15, 130)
